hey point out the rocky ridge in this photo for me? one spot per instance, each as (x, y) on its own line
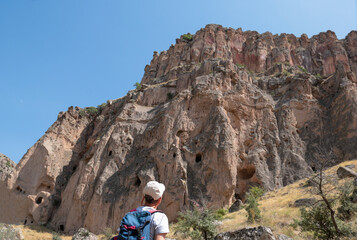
(215, 115)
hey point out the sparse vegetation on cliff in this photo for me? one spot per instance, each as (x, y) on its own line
(302, 69)
(137, 86)
(90, 111)
(240, 66)
(187, 37)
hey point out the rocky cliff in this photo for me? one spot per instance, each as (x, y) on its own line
(218, 112)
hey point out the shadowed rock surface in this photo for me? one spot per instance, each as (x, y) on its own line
(216, 115)
(251, 233)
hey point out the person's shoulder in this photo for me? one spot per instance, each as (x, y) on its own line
(159, 215)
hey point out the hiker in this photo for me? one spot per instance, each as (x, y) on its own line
(146, 222)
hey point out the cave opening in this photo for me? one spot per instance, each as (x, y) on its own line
(198, 157)
(137, 182)
(39, 200)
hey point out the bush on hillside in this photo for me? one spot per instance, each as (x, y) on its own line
(252, 205)
(317, 220)
(347, 208)
(197, 224)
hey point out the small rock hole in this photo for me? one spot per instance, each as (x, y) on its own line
(61, 227)
(198, 157)
(313, 168)
(137, 182)
(39, 200)
(31, 221)
(25, 222)
(74, 168)
(110, 153)
(174, 155)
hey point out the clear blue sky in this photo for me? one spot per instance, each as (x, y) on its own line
(60, 53)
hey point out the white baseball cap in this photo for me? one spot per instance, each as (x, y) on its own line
(154, 189)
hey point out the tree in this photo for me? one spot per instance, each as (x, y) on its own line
(197, 224)
(321, 219)
(252, 205)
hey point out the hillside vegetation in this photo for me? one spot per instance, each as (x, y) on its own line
(277, 208)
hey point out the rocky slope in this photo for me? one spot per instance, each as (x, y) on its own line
(215, 115)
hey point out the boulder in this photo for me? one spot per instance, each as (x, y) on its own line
(351, 166)
(235, 206)
(8, 232)
(304, 202)
(344, 172)
(284, 237)
(251, 233)
(84, 234)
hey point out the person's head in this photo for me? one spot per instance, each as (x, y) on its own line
(153, 192)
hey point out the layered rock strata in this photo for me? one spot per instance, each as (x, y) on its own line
(215, 115)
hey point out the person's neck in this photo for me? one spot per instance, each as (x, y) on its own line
(153, 206)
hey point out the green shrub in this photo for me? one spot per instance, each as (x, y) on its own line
(187, 37)
(302, 69)
(347, 208)
(137, 86)
(252, 205)
(101, 106)
(318, 76)
(286, 73)
(240, 66)
(220, 213)
(91, 111)
(317, 220)
(197, 224)
(8, 164)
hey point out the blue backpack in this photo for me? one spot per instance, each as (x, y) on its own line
(135, 225)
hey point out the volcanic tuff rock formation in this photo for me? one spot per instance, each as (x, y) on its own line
(215, 115)
(6, 167)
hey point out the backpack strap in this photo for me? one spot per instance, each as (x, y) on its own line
(154, 211)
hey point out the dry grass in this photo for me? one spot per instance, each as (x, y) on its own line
(40, 233)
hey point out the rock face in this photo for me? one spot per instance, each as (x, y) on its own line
(254, 233)
(7, 166)
(216, 115)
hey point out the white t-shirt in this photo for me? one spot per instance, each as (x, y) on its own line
(159, 222)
